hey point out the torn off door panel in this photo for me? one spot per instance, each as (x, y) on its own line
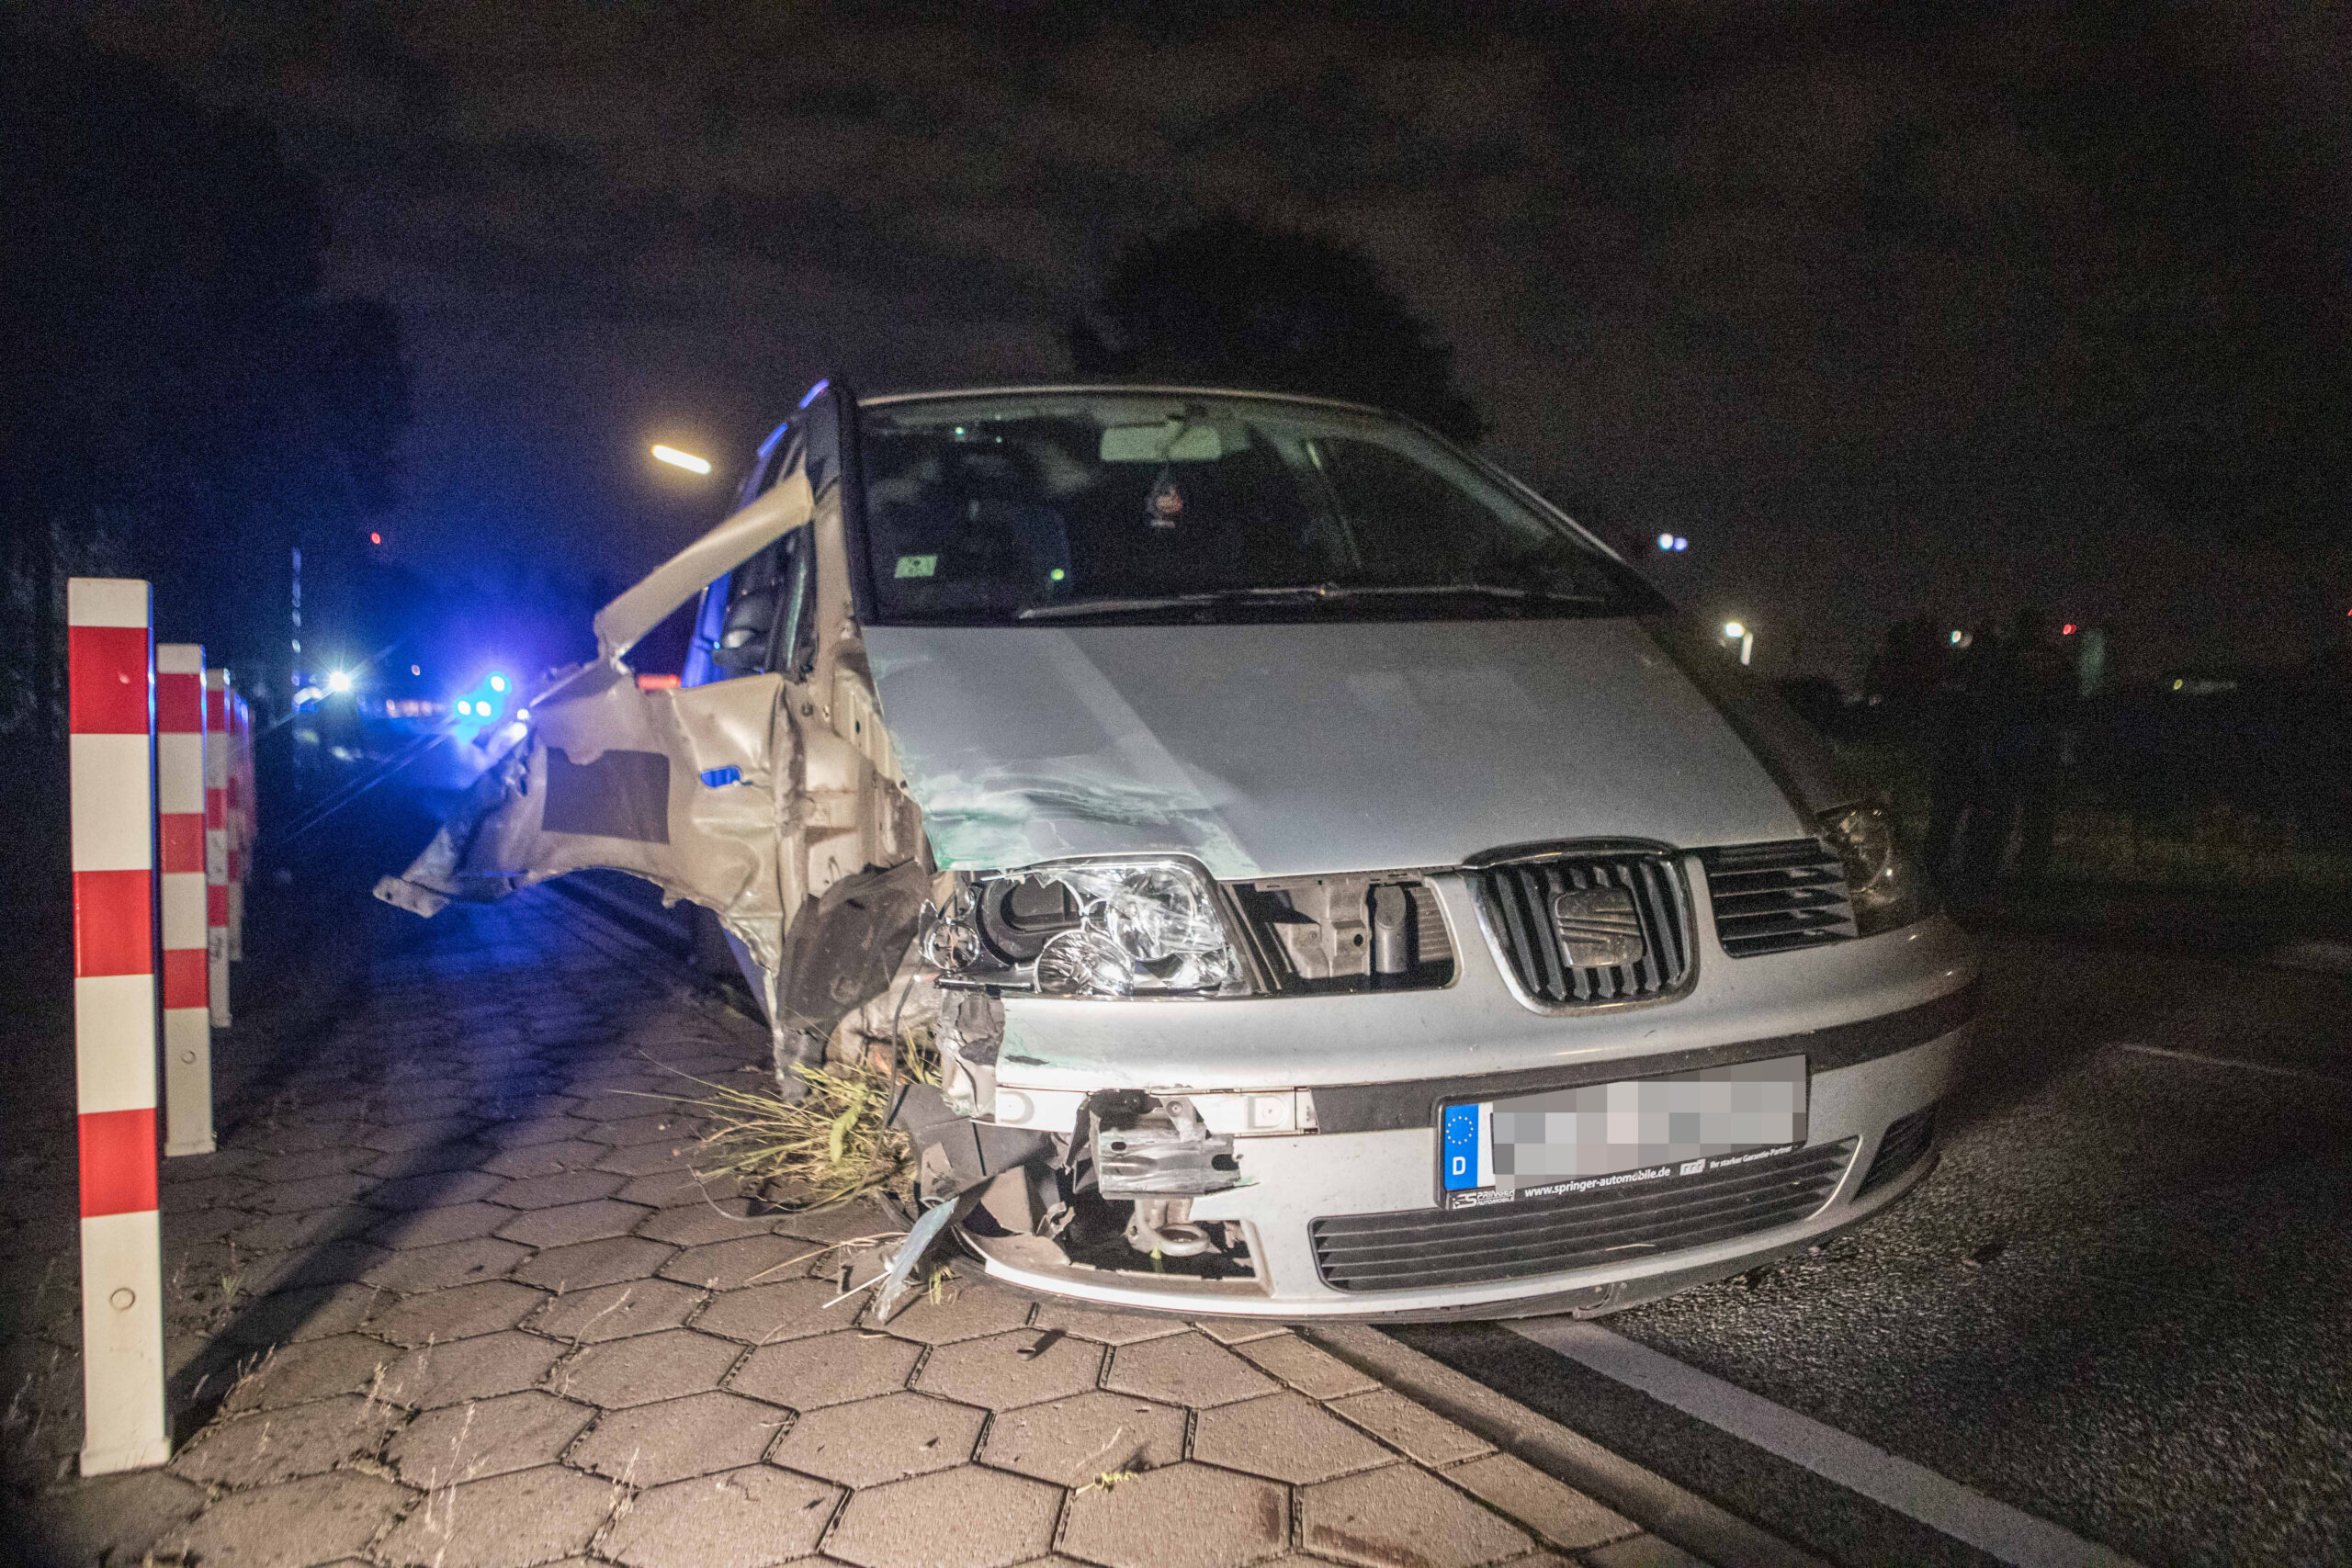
(676, 786)
(687, 788)
(769, 797)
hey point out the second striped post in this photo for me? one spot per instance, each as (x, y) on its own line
(181, 748)
(216, 844)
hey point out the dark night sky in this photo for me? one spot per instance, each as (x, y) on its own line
(1835, 297)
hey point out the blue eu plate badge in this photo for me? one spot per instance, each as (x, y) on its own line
(1469, 1150)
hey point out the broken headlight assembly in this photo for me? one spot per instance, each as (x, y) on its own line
(1888, 889)
(1135, 928)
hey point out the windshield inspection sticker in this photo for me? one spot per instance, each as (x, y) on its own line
(916, 566)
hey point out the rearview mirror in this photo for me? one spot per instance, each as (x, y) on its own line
(1171, 441)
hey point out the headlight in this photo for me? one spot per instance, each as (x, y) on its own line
(1091, 929)
(1886, 886)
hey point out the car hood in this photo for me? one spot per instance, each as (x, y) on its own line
(1288, 749)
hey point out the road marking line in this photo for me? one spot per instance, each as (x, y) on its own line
(2203, 1060)
(2007, 1534)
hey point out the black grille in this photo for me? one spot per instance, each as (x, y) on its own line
(1549, 1236)
(1519, 900)
(1774, 898)
(1908, 1141)
(1431, 945)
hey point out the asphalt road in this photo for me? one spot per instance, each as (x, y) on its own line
(2122, 1304)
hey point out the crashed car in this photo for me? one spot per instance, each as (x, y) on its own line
(1339, 886)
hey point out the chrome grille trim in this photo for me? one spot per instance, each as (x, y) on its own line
(1516, 901)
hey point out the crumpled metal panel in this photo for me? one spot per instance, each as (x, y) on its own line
(583, 789)
(844, 948)
(717, 843)
(1033, 752)
(1297, 750)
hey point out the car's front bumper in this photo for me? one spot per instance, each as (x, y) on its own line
(1882, 1021)
(1297, 1179)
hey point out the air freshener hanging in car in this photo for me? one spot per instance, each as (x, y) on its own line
(1167, 503)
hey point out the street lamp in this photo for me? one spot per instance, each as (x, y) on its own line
(678, 459)
(1735, 632)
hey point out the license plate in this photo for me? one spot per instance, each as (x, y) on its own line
(1617, 1135)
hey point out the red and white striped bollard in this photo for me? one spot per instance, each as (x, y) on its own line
(110, 679)
(240, 819)
(216, 844)
(181, 746)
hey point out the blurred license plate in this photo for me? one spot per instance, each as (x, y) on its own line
(1619, 1135)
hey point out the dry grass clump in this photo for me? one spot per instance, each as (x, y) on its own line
(833, 1145)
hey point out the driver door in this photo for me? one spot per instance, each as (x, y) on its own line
(692, 788)
(766, 790)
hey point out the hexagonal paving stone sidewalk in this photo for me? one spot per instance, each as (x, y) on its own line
(500, 1324)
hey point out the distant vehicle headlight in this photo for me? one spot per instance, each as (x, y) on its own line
(1888, 887)
(1091, 929)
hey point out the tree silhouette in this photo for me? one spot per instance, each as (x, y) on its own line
(184, 401)
(1229, 301)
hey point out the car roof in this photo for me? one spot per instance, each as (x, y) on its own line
(1151, 388)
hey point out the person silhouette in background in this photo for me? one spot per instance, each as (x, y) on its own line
(1961, 705)
(2003, 750)
(2029, 746)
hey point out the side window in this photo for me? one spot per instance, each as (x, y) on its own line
(710, 616)
(767, 464)
(767, 625)
(756, 618)
(818, 437)
(776, 462)
(760, 617)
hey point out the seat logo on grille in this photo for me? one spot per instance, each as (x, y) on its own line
(1598, 927)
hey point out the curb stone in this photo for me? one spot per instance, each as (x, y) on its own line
(1672, 1513)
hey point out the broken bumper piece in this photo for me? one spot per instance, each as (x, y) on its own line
(1328, 1203)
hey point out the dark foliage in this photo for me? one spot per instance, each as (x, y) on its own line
(1232, 302)
(183, 402)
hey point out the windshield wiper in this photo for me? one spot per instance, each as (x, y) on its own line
(1304, 592)
(1459, 590)
(1114, 606)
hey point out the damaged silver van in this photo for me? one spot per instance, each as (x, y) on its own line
(1339, 886)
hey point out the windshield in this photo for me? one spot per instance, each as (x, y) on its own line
(1077, 505)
